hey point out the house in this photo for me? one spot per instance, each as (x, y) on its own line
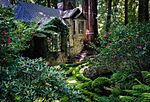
(77, 27)
(72, 17)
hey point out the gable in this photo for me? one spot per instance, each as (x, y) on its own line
(75, 13)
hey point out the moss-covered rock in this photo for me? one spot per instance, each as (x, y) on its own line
(94, 72)
(91, 72)
(100, 82)
(82, 78)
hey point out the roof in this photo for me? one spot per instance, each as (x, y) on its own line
(60, 5)
(74, 14)
(33, 12)
(70, 13)
(5, 2)
(29, 11)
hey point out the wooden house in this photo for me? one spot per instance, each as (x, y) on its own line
(77, 26)
(79, 18)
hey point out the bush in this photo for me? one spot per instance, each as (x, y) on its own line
(124, 47)
(29, 79)
(13, 35)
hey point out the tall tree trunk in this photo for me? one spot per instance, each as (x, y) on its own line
(49, 3)
(12, 1)
(143, 10)
(109, 13)
(90, 12)
(95, 18)
(126, 12)
(85, 11)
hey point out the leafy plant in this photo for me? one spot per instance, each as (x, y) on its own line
(29, 79)
(13, 35)
(124, 47)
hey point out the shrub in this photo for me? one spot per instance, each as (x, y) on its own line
(29, 79)
(124, 47)
(13, 35)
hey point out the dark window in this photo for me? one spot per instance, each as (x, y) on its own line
(54, 42)
(74, 32)
(81, 27)
(70, 6)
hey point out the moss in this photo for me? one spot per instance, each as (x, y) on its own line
(118, 77)
(141, 88)
(116, 92)
(69, 72)
(146, 96)
(132, 92)
(82, 78)
(94, 97)
(127, 99)
(100, 82)
(146, 76)
(76, 70)
(64, 99)
(86, 85)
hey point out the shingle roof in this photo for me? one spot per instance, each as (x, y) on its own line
(4, 2)
(33, 12)
(70, 13)
(29, 11)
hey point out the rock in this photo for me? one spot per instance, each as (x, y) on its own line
(91, 73)
(95, 72)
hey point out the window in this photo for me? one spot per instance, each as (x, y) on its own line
(69, 6)
(54, 42)
(81, 27)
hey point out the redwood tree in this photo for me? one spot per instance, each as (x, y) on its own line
(109, 13)
(126, 12)
(143, 10)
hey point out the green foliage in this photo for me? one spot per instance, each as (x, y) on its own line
(140, 92)
(127, 99)
(13, 35)
(117, 13)
(101, 82)
(53, 25)
(29, 79)
(141, 88)
(123, 86)
(146, 77)
(124, 47)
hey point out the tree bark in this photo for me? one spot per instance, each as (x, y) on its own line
(109, 13)
(49, 3)
(126, 12)
(90, 12)
(143, 11)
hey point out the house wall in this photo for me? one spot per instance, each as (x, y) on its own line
(75, 39)
(75, 44)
